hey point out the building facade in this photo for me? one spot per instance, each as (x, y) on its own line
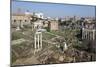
(53, 25)
(88, 34)
(39, 15)
(89, 30)
(20, 20)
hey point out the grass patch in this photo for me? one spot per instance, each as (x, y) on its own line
(47, 36)
(17, 35)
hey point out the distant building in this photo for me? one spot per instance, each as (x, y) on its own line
(20, 19)
(89, 34)
(39, 15)
(50, 24)
(89, 30)
(53, 25)
(38, 24)
(46, 23)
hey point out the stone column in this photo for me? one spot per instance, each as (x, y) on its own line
(65, 46)
(35, 41)
(41, 40)
(21, 24)
(82, 33)
(86, 35)
(93, 34)
(90, 35)
(32, 26)
(18, 25)
(38, 41)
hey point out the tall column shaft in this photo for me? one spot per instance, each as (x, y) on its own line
(18, 25)
(41, 40)
(32, 27)
(21, 24)
(35, 42)
(86, 35)
(82, 35)
(93, 34)
(38, 41)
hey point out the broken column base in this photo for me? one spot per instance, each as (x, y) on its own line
(36, 50)
(18, 28)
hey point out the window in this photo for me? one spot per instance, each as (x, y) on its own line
(20, 20)
(25, 20)
(14, 20)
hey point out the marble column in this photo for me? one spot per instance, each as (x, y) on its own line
(35, 42)
(93, 34)
(21, 24)
(41, 40)
(32, 26)
(88, 35)
(18, 25)
(85, 34)
(38, 41)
